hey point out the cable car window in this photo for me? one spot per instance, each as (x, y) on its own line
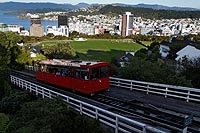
(78, 73)
(103, 72)
(65, 72)
(38, 67)
(54, 70)
(43, 68)
(49, 69)
(72, 72)
(84, 73)
(95, 73)
(58, 73)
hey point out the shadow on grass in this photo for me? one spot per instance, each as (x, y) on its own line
(100, 55)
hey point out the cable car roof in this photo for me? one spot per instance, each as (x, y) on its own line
(63, 62)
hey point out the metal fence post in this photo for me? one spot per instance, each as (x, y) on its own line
(19, 83)
(42, 93)
(36, 90)
(68, 102)
(188, 96)
(131, 86)
(147, 89)
(26, 85)
(144, 129)
(81, 109)
(30, 87)
(22, 84)
(49, 94)
(116, 125)
(118, 82)
(96, 114)
(166, 92)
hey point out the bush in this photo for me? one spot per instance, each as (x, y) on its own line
(46, 115)
(11, 104)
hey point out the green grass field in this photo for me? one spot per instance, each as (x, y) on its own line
(147, 43)
(103, 50)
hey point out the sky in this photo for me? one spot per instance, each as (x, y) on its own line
(178, 3)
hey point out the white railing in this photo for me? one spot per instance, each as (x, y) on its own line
(118, 122)
(178, 92)
(186, 93)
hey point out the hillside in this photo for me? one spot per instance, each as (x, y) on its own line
(149, 13)
(140, 10)
(12, 6)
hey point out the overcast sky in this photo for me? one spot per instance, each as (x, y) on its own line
(179, 3)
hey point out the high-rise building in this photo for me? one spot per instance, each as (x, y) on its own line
(127, 24)
(36, 28)
(62, 20)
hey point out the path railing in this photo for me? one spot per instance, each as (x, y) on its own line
(185, 93)
(117, 122)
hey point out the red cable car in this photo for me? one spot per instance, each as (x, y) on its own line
(87, 77)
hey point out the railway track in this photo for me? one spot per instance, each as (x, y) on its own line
(146, 113)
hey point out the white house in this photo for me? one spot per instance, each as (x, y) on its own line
(24, 33)
(164, 49)
(15, 28)
(33, 55)
(189, 52)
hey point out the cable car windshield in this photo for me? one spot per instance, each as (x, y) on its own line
(99, 72)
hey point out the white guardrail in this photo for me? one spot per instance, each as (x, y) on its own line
(178, 92)
(119, 123)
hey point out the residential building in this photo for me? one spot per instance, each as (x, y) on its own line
(3, 27)
(98, 30)
(127, 24)
(15, 28)
(124, 24)
(24, 33)
(62, 30)
(164, 49)
(190, 52)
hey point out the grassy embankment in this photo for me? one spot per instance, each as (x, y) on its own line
(103, 50)
(147, 43)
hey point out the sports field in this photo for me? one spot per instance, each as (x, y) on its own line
(101, 49)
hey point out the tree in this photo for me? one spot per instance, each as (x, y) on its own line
(74, 34)
(191, 70)
(4, 122)
(4, 61)
(12, 103)
(152, 71)
(59, 51)
(47, 115)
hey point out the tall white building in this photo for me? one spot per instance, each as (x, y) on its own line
(127, 24)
